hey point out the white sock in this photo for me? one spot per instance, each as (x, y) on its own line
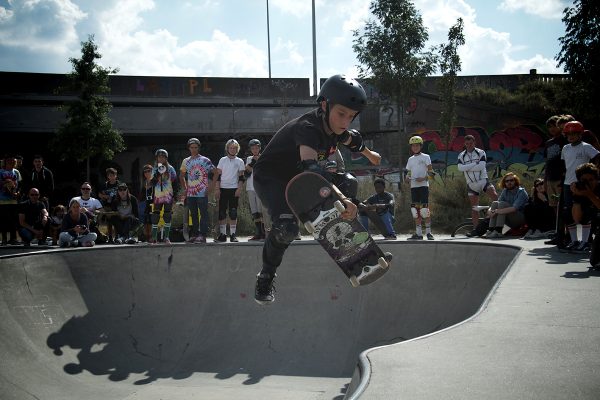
(232, 229)
(223, 229)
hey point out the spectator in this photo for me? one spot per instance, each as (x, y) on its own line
(586, 207)
(9, 195)
(230, 178)
(585, 195)
(43, 180)
(164, 177)
(574, 154)
(195, 173)
(509, 208)
(419, 170)
(56, 218)
(554, 167)
(145, 201)
(108, 191)
(19, 171)
(92, 208)
(256, 207)
(75, 230)
(127, 219)
(472, 162)
(382, 203)
(539, 215)
(33, 219)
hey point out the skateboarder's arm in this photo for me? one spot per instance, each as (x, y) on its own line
(373, 156)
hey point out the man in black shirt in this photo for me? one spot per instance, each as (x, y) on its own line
(303, 144)
(33, 219)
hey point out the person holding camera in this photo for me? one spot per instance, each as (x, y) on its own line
(164, 178)
(574, 154)
(586, 206)
(75, 230)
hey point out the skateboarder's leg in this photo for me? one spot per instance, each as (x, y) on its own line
(203, 209)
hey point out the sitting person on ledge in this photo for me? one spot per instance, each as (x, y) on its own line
(539, 214)
(508, 209)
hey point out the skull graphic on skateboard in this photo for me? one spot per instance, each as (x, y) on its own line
(318, 205)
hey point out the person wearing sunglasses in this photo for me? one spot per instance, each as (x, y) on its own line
(91, 207)
(33, 219)
(539, 214)
(509, 208)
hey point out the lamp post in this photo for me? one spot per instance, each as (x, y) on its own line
(269, 39)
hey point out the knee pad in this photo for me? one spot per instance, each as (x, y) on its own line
(285, 230)
(233, 213)
(414, 211)
(425, 213)
(347, 184)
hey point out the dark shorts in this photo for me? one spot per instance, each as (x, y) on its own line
(271, 192)
(419, 195)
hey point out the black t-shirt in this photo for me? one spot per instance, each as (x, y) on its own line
(554, 165)
(281, 157)
(383, 198)
(32, 211)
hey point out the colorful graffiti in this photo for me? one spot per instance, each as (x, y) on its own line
(520, 149)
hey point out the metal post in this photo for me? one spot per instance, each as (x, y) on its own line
(314, 38)
(269, 39)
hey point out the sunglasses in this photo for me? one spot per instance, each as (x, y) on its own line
(122, 189)
(34, 195)
(86, 188)
(508, 180)
(538, 184)
(147, 170)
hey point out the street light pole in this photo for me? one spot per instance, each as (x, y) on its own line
(314, 37)
(269, 39)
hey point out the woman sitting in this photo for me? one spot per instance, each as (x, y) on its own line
(75, 229)
(508, 209)
(126, 207)
(539, 215)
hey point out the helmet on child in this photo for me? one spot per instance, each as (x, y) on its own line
(161, 152)
(573, 127)
(415, 140)
(254, 142)
(193, 141)
(340, 89)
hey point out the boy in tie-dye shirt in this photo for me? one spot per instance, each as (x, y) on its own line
(164, 178)
(195, 179)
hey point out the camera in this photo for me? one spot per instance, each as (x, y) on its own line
(161, 168)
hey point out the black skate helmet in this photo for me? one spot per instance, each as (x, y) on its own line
(161, 152)
(341, 89)
(254, 142)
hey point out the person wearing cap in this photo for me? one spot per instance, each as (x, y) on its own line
(127, 218)
(165, 182)
(107, 193)
(256, 207)
(195, 179)
(303, 144)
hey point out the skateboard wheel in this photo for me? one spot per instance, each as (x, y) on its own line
(354, 281)
(310, 228)
(339, 206)
(383, 262)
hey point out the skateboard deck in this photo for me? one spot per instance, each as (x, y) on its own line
(317, 204)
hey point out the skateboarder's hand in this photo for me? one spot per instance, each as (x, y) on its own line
(350, 212)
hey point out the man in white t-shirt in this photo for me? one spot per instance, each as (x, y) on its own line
(574, 154)
(90, 206)
(228, 187)
(472, 162)
(419, 169)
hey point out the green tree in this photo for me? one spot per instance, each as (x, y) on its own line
(580, 56)
(450, 65)
(87, 131)
(392, 56)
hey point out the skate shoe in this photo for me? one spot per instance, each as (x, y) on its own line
(430, 237)
(233, 238)
(264, 292)
(221, 238)
(415, 237)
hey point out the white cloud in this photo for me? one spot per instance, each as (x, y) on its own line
(294, 7)
(550, 9)
(138, 52)
(40, 25)
(542, 64)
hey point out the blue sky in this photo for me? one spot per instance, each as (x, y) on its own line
(228, 38)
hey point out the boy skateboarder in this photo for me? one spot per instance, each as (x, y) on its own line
(303, 144)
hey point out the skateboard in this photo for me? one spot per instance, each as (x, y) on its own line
(318, 205)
